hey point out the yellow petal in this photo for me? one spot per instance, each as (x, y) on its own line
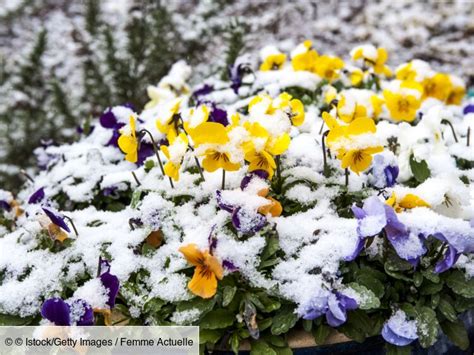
(203, 283)
(213, 264)
(362, 125)
(411, 201)
(192, 254)
(279, 145)
(211, 133)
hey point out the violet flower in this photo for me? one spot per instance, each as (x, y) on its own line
(384, 171)
(247, 222)
(237, 72)
(204, 90)
(57, 311)
(37, 196)
(450, 258)
(218, 115)
(398, 330)
(376, 216)
(262, 174)
(56, 218)
(5, 205)
(334, 306)
(469, 108)
(109, 281)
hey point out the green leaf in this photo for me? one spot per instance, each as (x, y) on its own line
(228, 295)
(367, 299)
(209, 336)
(283, 351)
(397, 350)
(430, 288)
(277, 341)
(284, 320)
(307, 325)
(321, 333)
(135, 198)
(203, 305)
(420, 169)
(269, 304)
(427, 326)
(457, 282)
(11, 320)
(446, 308)
(218, 319)
(260, 347)
(456, 332)
(235, 342)
(373, 284)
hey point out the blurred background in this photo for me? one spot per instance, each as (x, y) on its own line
(63, 62)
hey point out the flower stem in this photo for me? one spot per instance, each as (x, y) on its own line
(26, 175)
(278, 171)
(452, 129)
(136, 179)
(346, 172)
(197, 163)
(325, 163)
(223, 179)
(72, 224)
(155, 149)
(468, 138)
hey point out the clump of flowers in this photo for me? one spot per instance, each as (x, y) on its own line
(308, 192)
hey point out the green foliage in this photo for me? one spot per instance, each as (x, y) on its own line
(420, 169)
(234, 35)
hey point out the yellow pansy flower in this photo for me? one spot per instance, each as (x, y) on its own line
(330, 94)
(456, 95)
(293, 107)
(406, 72)
(262, 104)
(197, 116)
(128, 142)
(261, 148)
(404, 104)
(438, 86)
(175, 153)
(353, 153)
(374, 57)
(408, 201)
(273, 206)
(209, 133)
(349, 110)
(304, 57)
(328, 67)
(273, 62)
(206, 273)
(356, 76)
(377, 104)
(166, 121)
(215, 159)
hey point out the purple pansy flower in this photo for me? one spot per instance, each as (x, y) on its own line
(109, 281)
(56, 218)
(37, 196)
(384, 171)
(5, 205)
(57, 311)
(334, 306)
(144, 151)
(398, 330)
(449, 259)
(391, 174)
(229, 265)
(469, 108)
(237, 73)
(204, 90)
(376, 216)
(247, 222)
(262, 174)
(218, 115)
